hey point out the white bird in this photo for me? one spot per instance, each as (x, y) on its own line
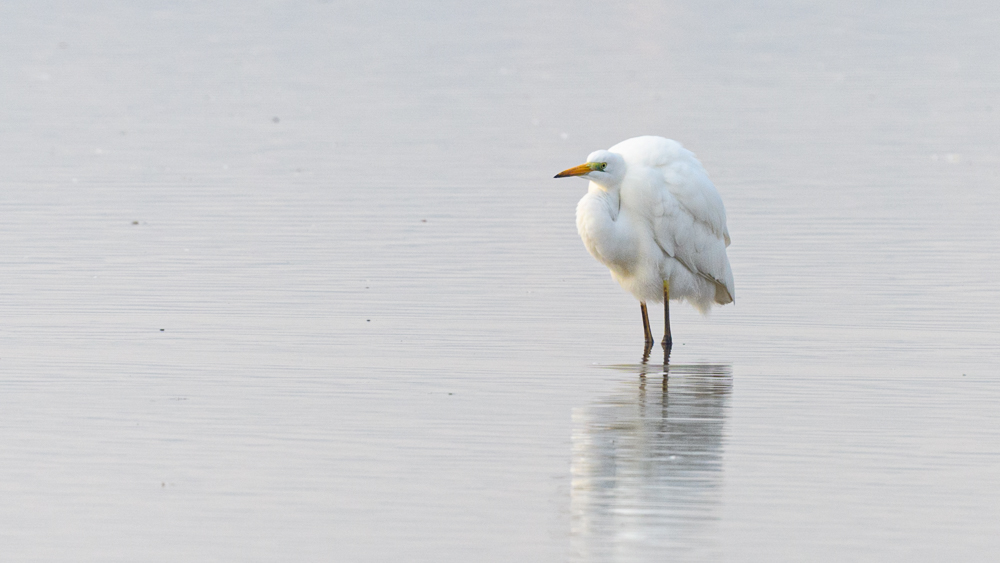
(652, 216)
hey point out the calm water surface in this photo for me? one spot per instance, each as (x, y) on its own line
(292, 281)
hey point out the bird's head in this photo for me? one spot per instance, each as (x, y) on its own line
(602, 167)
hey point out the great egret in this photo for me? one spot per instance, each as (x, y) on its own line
(652, 216)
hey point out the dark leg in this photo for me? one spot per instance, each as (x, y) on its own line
(668, 341)
(645, 328)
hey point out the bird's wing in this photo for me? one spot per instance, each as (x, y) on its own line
(684, 209)
(684, 176)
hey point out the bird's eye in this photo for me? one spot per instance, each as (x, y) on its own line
(604, 165)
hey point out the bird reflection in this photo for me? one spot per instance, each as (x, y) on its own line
(647, 467)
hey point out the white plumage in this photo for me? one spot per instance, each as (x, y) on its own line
(651, 215)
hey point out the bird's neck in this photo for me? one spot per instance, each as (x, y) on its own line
(609, 197)
(602, 228)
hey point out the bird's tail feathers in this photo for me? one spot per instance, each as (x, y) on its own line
(722, 293)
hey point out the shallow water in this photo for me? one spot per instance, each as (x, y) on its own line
(293, 281)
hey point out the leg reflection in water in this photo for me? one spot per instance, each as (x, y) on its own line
(645, 358)
(647, 468)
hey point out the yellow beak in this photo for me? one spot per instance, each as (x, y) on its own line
(576, 171)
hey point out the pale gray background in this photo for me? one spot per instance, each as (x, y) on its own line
(338, 380)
